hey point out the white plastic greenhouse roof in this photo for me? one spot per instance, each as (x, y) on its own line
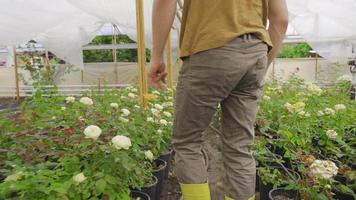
(64, 27)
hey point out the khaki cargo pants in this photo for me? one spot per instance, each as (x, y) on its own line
(232, 76)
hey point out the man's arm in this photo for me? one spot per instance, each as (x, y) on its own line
(278, 24)
(162, 21)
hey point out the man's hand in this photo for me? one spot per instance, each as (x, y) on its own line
(162, 20)
(157, 73)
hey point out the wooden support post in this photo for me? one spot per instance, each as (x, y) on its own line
(81, 76)
(169, 62)
(114, 53)
(48, 66)
(16, 76)
(316, 67)
(141, 52)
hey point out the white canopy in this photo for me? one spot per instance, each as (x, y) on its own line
(64, 26)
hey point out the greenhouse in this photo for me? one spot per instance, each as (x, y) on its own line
(81, 117)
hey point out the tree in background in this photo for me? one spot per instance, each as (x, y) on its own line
(123, 55)
(295, 51)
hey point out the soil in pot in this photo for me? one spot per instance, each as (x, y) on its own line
(137, 195)
(151, 188)
(265, 189)
(282, 194)
(159, 167)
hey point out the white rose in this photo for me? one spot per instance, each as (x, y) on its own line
(63, 108)
(123, 119)
(150, 119)
(329, 111)
(167, 114)
(121, 142)
(79, 178)
(131, 95)
(331, 134)
(163, 122)
(340, 107)
(114, 105)
(158, 107)
(70, 99)
(125, 112)
(86, 101)
(267, 98)
(159, 131)
(320, 113)
(323, 169)
(149, 155)
(14, 177)
(92, 132)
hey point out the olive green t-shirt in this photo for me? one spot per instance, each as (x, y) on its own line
(209, 24)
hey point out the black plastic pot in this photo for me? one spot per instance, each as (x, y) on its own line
(159, 172)
(265, 189)
(137, 195)
(151, 189)
(289, 194)
(167, 157)
(342, 196)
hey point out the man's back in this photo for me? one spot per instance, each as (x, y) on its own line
(210, 24)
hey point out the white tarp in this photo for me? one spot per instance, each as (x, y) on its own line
(329, 26)
(64, 26)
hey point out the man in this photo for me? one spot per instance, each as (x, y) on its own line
(226, 50)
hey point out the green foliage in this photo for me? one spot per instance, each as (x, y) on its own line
(295, 51)
(123, 55)
(46, 146)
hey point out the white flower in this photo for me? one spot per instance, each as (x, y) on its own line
(331, 134)
(170, 123)
(159, 131)
(344, 78)
(125, 112)
(163, 122)
(340, 107)
(70, 99)
(167, 114)
(131, 95)
(307, 114)
(63, 108)
(298, 107)
(323, 169)
(150, 119)
(320, 113)
(121, 142)
(123, 119)
(149, 155)
(81, 118)
(155, 111)
(301, 113)
(314, 90)
(86, 101)
(54, 118)
(267, 98)
(79, 178)
(156, 92)
(170, 98)
(329, 111)
(289, 107)
(123, 97)
(137, 106)
(14, 177)
(167, 104)
(158, 107)
(134, 89)
(92, 132)
(114, 105)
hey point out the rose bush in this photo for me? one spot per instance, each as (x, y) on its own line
(97, 148)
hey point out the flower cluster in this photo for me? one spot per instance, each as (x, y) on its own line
(340, 107)
(314, 90)
(323, 169)
(86, 101)
(331, 134)
(295, 108)
(70, 99)
(121, 142)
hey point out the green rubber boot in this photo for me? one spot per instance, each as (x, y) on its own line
(195, 191)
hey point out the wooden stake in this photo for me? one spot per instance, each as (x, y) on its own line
(16, 76)
(141, 52)
(169, 62)
(114, 52)
(82, 76)
(48, 66)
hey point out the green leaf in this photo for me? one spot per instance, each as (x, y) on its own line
(100, 185)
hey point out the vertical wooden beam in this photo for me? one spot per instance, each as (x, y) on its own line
(81, 76)
(48, 66)
(169, 62)
(16, 76)
(316, 67)
(141, 52)
(114, 53)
